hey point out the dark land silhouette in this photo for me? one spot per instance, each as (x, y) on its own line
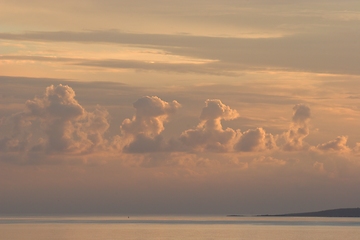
(340, 212)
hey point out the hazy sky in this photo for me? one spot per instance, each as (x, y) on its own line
(176, 107)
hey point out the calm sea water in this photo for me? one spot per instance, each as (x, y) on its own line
(177, 227)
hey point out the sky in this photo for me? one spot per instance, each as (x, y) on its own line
(179, 107)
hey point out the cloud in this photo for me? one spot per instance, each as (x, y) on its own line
(57, 110)
(198, 66)
(299, 128)
(268, 160)
(233, 53)
(56, 123)
(15, 138)
(8, 144)
(215, 111)
(337, 145)
(151, 113)
(142, 131)
(301, 114)
(57, 103)
(202, 66)
(94, 126)
(143, 144)
(209, 134)
(319, 167)
(255, 140)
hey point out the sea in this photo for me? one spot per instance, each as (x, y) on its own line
(177, 227)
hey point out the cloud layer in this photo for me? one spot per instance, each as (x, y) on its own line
(55, 123)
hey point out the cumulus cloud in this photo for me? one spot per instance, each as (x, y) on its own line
(57, 110)
(93, 127)
(15, 138)
(299, 128)
(69, 128)
(56, 126)
(338, 145)
(12, 144)
(57, 123)
(142, 131)
(255, 140)
(143, 144)
(357, 148)
(209, 134)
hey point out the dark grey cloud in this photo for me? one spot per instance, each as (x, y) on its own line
(301, 114)
(330, 50)
(20, 89)
(212, 68)
(145, 144)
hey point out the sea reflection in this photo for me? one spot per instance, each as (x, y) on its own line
(177, 227)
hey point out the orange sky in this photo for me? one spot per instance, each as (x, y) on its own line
(156, 107)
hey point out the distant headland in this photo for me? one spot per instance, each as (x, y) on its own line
(340, 212)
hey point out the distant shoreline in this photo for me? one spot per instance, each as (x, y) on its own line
(340, 212)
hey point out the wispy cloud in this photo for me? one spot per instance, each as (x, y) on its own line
(301, 52)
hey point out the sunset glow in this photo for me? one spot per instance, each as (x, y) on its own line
(156, 107)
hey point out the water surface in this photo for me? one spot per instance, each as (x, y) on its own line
(178, 227)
